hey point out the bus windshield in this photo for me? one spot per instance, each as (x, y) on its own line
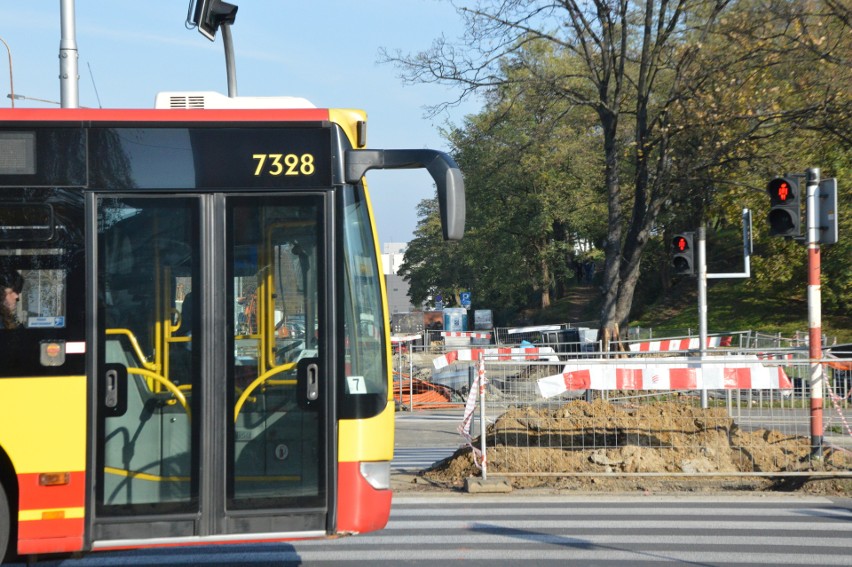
(365, 390)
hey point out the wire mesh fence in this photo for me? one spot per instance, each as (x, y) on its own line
(745, 408)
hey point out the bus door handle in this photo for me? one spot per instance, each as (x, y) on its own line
(308, 382)
(112, 390)
(312, 384)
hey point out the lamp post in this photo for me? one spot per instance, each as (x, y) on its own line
(11, 76)
(15, 97)
(36, 99)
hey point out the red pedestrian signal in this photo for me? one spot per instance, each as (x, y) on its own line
(780, 190)
(785, 207)
(683, 254)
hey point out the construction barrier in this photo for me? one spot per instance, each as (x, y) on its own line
(465, 335)
(639, 412)
(686, 343)
(471, 355)
(737, 373)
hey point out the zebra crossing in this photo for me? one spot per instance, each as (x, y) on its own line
(413, 459)
(600, 530)
(424, 438)
(714, 530)
(730, 530)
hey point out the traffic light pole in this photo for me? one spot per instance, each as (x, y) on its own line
(814, 311)
(703, 276)
(702, 303)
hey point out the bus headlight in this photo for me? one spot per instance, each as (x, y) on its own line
(377, 474)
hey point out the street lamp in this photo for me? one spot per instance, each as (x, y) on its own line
(11, 77)
(15, 97)
(36, 99)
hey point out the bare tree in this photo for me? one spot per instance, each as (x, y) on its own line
(659, 76)
(622, 59)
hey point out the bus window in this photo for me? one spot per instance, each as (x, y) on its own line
(33, 298)
(278, 252)
(43, 298)
(148, 258)
(26, 222)
(365, 388)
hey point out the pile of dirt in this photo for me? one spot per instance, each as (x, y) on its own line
(603, 445)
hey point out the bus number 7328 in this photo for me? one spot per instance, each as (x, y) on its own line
(200, 349)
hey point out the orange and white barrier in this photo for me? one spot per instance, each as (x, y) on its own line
(774, 356)
(503, 353)
(465, 335)
(687, 343)
(744, 372)
(477, 390)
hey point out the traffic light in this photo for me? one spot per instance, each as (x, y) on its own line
(211, 14)
(785, 210)
(828, 211)
(683, 254)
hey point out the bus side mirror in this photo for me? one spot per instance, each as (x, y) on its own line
(443, 169)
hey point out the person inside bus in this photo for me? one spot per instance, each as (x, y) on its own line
(12, 283)
(181, 353)
(185, 327)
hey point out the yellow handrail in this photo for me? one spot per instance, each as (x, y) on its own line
(259, 380)
(165, 382)
(136, 348)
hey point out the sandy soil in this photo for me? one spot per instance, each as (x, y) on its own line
(591, 446)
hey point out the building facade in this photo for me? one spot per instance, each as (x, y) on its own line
(393, 254)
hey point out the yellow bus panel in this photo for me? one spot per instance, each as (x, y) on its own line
(367, 439)
(43, 423)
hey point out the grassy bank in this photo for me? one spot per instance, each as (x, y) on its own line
(729, 308)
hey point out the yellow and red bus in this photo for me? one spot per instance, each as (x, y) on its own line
(202, 348)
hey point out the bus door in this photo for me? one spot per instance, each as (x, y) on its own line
(213, 365)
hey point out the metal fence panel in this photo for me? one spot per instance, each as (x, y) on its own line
(657, 427)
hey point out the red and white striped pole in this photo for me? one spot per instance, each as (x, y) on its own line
(814, 311)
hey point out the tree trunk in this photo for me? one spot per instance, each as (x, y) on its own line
(612, 246)
(545, 285)
(629, 278)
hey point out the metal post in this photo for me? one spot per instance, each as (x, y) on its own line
(399, 375)
(230, 65)
(702, 304)
(11, 75)
(482, 382)
(814, 311)
(68, 76)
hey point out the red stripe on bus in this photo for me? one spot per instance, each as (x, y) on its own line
(164, 115)
(33, 496)
(50, 536)
(50, 529)
(56, 545)
(360, 507)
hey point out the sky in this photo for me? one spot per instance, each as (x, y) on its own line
(326, 51)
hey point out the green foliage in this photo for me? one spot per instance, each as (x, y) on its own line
(432, 266)
(582, 144)
(731, 306)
